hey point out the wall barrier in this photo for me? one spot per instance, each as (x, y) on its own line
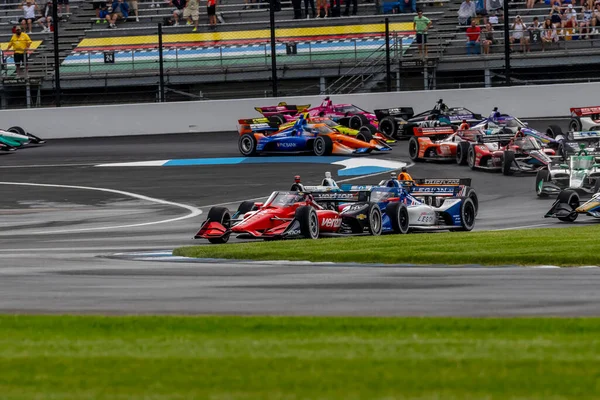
(222, 115)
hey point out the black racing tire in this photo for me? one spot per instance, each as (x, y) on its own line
(245, 206)
(278, 119)
(358, 120)
(408, 131)
(472, 194)
(543, 175)
(223, 216)
(368, 127)
(374, 223)
(413, 149)
(323, 146)
(18, 130)
(571, 198)
(388, 126)
(365, 135)
(553, 131)
(398, 214)
(467, 215)
(309, 222)
(507, 161)
(462, 149)
(575, 125)
(247, 145)
(471, 157)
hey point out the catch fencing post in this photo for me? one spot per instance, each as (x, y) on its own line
(56, 58)
(507, 70)
(388, 67)
(161, 78)
(273, 55)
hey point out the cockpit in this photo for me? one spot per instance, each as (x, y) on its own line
(284, 199)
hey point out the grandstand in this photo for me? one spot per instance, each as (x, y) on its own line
(314, 55)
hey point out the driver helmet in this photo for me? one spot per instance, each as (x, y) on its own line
(297, 179)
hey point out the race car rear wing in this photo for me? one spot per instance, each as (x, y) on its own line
(400, 112)
(499, 138)
(283, 108)
(589, 135)
(251, 125)
(582, 111)
(441, 130)
(443, 181)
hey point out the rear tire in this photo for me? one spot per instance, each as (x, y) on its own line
(358, 120)
(388, 126)
(467, 215)
(247, 145)
(461, 153)
(222, 216)
(245, 206)
(572, 199)
(18, 130)
(575, 125)
(543, 175)
(553, 131)
(398, 214)
(323, 146)
(471, 157)
(365, 135)
(278, 119)
(374, 220)
(413, 149)
(309, 222)
(507, 162)
(471, 194)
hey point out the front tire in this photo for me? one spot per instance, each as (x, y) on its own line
(575, 125)
(374, 220)
(471, 157)
(358, 120)
(388, 126)
(554, 131)
(398, 214)
(467, 215)
(17, 130)
(309, 222)
(222, 216)
(543, 175)
(462, 150)
(247, 145)
(245, 206)
(323, 146)
(572, 199)
(413, 149)
(365, 135)
(507, 161)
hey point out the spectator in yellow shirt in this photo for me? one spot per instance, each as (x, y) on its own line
(20, 42)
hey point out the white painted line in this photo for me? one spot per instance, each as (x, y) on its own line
(519, 227)
(153, 163)
(544, 267)
(588, 266)
(47, 165)
(193, 211)
(369, 175)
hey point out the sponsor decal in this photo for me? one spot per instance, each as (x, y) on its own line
(286, 145)
(335, 196)
(293, 232)
(441, 181)
(258, 126)
(331, 222)
(360, 217)
(425, 218)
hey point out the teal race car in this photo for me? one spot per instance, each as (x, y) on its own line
(15, 137)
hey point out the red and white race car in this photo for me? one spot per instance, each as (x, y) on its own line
(585, 119)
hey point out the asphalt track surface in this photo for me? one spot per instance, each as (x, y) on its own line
(57, 243)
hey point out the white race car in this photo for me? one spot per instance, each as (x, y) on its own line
(585, 119)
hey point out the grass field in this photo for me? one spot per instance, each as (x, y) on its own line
(87, 357)
(565, 247)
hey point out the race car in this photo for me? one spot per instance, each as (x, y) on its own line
(585, 119)
(301, 137)
(292, 215)
(505, 153)
(6, 148)
(497, 123)
(439, 115)
(438, 144)
(16, 137)
(581, 174)
(567, 206)
(431, 203)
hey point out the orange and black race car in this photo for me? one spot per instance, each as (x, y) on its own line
(301, 137)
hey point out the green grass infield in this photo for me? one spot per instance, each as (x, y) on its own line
(564, 247)
(296, 358)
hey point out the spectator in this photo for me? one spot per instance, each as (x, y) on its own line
(179, 6)
(191, 13)
(211, 11)
(493, 18)
(134, 7)
(29, 8)
(60, 4)
(549, 34)
(103, 13)
(586, 20)
(555, 16)
(335, 8)
(20, 42)
(488, 38)
(310, 3)
(466, 12)
(354, 7)
(120, 10)
(46, 20)
(297, 4)
(408, 5)
(530, 3)
(323, 5)
(596, 19)
(495, 5)
(98, 5)
(518, 29)
(569, 19)
(421, 25)
(473, 38)
(535, 31)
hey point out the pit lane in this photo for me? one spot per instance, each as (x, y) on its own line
(67, 271)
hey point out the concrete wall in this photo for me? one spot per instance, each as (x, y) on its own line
(222, 115)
